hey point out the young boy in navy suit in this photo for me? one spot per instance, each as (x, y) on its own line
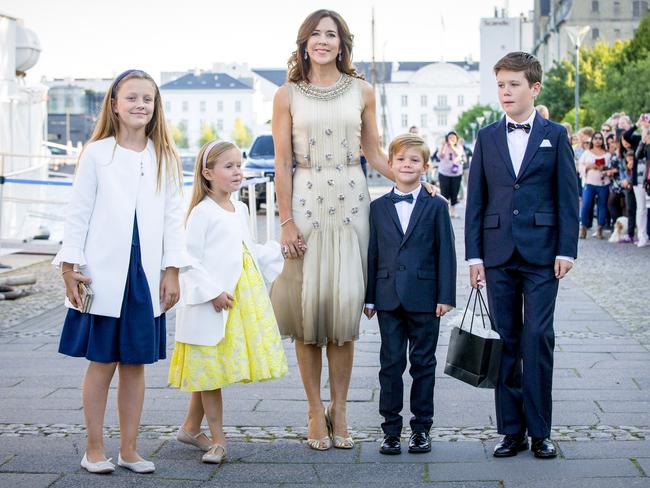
(411, 284)
(521, 238)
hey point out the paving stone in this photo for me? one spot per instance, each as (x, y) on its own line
(644, 464)
(266, 473)
(583, 483)
(22, 480)
(605, 449)
(115, 481)
(519, 468)
(372, 472)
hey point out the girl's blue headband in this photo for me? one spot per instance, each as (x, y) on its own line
(121, 76)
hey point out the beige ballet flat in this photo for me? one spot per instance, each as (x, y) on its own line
(212, 456)
(340, 442)
(193, 439)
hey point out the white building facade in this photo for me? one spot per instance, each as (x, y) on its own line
(499, 36)
(207, 98)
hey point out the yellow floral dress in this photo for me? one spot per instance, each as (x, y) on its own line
(250, 351)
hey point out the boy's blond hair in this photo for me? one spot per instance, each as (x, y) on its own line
(406, 141)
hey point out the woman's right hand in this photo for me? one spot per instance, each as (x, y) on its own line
(292, 241)
(72, 280)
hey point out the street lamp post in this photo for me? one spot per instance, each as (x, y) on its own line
(577, 34)
(488, 116)
(480, 119)
(473, 126)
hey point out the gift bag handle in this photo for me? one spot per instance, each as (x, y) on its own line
(487, 311)
(478, 297)
(469, 300)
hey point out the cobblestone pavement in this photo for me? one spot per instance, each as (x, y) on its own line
(601, 403)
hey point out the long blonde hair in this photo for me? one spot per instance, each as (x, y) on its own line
(108, 124)
(201, 186)
(299, 66)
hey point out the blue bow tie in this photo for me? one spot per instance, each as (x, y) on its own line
(512, 126)
(401, 198)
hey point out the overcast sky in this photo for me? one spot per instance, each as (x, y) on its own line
(87, 38)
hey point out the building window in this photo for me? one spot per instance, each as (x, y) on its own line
(185, 105)
(202, 105)
(461, 101)
(220, 106)
(617, 34)
(237, 105)
(595, 6)
(617, 8)
(442, 120)
(424, 121)
(168, 107)
(405, 100)
(405, 120)
(442, 101)
(595, 33)
(219, 124)
(423, 100)
(639, 9)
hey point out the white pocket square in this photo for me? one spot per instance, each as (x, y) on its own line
(546, 143)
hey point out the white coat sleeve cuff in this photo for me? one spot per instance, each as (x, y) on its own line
(474, 261)
(270, 260)
(566, 258)
(69, 254)
(176, 259)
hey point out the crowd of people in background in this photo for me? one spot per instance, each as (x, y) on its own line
(613, 173)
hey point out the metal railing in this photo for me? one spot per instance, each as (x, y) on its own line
(44, 164)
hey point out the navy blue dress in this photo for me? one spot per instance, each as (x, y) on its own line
(135, 337)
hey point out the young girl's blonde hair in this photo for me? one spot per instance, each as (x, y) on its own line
(201, 186)
(108, 124)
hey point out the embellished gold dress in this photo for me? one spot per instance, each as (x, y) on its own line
(319, 299)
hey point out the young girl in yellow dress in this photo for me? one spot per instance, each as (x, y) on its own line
(225, 331)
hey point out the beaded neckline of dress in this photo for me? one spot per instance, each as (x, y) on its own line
(326, 93)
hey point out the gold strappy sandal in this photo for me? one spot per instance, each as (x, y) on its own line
(340, 442)
(322, 444)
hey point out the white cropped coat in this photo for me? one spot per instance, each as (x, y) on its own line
(111, 185)
(215, 239)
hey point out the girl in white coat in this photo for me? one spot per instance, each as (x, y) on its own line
(123, 237)
(225, 332)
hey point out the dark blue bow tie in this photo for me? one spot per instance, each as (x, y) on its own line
(512, 126)
(401, 198)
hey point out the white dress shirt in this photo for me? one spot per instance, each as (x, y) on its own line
(404, 210)
(517, 143)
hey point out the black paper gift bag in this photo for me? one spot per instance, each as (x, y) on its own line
(474, 355)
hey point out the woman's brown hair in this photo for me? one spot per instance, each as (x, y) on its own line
(108, 124)
(299, 66)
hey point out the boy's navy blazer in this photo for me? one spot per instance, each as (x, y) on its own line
(416, 269)
(534, 212)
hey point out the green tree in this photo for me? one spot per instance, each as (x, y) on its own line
(241, 135)
(639, 47)
(463, 125)
(208, 133)
(179, 134)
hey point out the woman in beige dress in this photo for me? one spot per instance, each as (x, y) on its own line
(322, 117)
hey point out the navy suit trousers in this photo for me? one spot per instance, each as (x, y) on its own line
(524, 392)
(418, 331)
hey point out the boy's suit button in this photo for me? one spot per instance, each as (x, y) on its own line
(517, 186)
(402, 268)
(516, 212)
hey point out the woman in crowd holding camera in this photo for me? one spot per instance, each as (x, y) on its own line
(594, 166)
(450, 169)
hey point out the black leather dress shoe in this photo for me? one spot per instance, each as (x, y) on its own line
(419, 442)
(543, 448)
(510, 445)
(390, 445)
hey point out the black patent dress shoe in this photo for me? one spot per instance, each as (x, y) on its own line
(390, 445)
(419, 442)
(510, 445)
(543, 448)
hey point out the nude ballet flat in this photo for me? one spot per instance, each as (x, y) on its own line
(101, 467)
(193, 439)
(212, 456)
(141, 467)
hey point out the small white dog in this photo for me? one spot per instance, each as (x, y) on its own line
(620, 229)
